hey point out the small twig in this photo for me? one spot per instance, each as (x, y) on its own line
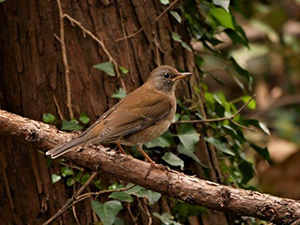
(244, 127)
(70, 201)
(57, 38)
(75, 215)
(156, 19)
(217, 119)
(131, 215)
(65, 59)
(86, 31)
(58, 108)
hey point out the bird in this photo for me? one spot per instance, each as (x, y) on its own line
(143, 115)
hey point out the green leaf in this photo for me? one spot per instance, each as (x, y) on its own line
(165, 140)
(48, 118)
(258, 124)
(183, 210)
(164, 2)
(134, 190)
(252, 103)
(2, 1)
(70, 181)
(119, 94)
(219, 145)
(188, 135)
(85, 178)
(264, 152)
(152, 196)
(247, 171)
(242, 72)
(222, 17)
(139, 191)
(176, 16)
(177, 37)
(55, 178)
(107, 67)
(84, 118)
(66, 171)
(98, 184)
(223, 3)
(107, 211)
(182, 150)
(124, 70)
(70, 125)
(173, 160)
(166, 218)
(121, 196)
(118, 221)
(176, 117)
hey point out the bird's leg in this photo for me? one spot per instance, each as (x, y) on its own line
(139, 148)
(120, 148)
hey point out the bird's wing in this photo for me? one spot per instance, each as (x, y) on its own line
(133, 115)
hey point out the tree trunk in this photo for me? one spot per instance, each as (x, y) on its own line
(33, 79)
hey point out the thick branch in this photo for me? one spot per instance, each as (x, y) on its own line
(168, 182)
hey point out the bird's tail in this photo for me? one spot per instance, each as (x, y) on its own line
(66, 147)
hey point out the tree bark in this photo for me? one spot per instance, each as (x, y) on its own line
(169, 182)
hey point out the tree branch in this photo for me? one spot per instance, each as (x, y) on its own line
(169, 182)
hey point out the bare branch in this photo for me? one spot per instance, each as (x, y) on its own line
(222, 118)
(65, 58)
(169, 182)
(156, 19)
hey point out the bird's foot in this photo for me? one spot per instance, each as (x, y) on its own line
(155, 166)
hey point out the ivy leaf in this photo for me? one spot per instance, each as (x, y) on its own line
(55, 178)
(70, 125)
(182, 150)
(264, 152)
(152, 196)
(252, 103)
(164, 2)
(123, 69)
(84, 118)
(219, 145)
(48, 118)
(177, 37)
(119, 94)
(107, 211)
(222, 17)
(66, 171)
(247, 171)
(70, 181)
(173, 160)
(223, 3)
(107, 67)
(121, 196)
(118, 221)
(257, 124)
(176, 16)
(166, 218)
(183, 210)
(85, 178)
(165, 140)
(188, 135)
(242, 72)
(139, 191)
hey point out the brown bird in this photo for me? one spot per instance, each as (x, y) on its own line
(143, 115)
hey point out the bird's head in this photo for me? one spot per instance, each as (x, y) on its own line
(165, 78)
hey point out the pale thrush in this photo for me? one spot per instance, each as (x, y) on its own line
(143, 115)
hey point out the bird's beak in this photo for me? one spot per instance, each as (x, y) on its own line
(181, 76)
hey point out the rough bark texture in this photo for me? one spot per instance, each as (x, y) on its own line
(166, 181)
(33, 76)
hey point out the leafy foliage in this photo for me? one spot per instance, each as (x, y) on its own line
(107, 67)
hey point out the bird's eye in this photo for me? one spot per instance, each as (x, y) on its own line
(166, 75)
